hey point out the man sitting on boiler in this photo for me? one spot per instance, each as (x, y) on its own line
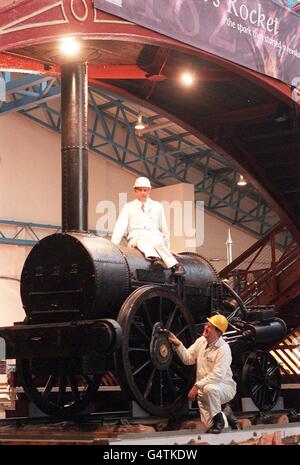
(143, 221)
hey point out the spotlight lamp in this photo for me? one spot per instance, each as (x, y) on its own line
(242, 181)
(187, 78)
(139, 125)
(69, 46)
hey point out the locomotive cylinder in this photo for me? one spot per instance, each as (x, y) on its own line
(267, 332)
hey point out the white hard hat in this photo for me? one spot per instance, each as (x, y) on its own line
(142, 182)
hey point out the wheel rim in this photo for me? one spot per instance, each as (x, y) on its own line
(62, 392)
(147, 367)
(261, 376)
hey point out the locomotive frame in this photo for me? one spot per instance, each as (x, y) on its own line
(91, 305)
(60, 364)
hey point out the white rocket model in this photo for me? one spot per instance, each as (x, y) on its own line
(229, 247)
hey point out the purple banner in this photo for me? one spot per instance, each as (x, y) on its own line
(261, 35)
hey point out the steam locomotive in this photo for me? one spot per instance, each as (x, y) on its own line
(92, 307)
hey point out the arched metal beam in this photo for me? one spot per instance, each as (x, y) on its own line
(30, 22)
(261, 184)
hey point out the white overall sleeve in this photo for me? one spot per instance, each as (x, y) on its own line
(188, 356)
(121, 226)
(164, 228)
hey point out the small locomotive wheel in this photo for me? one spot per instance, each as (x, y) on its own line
(57, 387)
(261, 379)
(147, 367)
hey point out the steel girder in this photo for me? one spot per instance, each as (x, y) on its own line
(28, 234)
(163, 151)
(23, 233)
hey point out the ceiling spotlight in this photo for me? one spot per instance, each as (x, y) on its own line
(242, 181)
(139, 125)
(187, 78)
(69, 46)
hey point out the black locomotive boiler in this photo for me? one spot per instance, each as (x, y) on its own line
(92, 306)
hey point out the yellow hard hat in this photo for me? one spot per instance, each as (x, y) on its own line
(142, 182)
(219, 321)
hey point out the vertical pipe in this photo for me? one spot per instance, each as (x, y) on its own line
(74, 147)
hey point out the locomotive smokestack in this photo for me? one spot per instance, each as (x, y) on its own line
(74, 147)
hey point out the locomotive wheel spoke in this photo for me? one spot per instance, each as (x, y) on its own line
(161, 400)
(145, 362)
(256, 389)
(49, 391)
(141, 367)
(148, 323)
(138, 349)
(149, 384)
(271, 371)
(61, 391)
(49, 385)
(170, 384)
(260, 396)
(160, 310)
(263, 363)
(139, 330)
(171, 317)
(181, 370)
(179, 333)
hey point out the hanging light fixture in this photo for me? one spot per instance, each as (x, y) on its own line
(242, 181)
(139, 125)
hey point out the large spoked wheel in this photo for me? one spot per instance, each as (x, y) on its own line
(261, 377)
(56, 386)
(147, 367)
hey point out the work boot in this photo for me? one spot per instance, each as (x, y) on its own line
(178, 270)
(218, 424)
(231, 418)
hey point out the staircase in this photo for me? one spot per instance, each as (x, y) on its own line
(268, 273)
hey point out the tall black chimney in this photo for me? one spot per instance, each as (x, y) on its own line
(74, 147)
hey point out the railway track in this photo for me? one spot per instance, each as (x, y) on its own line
(91, 429)
(262, 434)
(118, 429)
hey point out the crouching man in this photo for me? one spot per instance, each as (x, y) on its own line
(214, 384)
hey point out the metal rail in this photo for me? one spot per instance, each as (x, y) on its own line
(198, 437)
(265, 273)
(109, 429)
